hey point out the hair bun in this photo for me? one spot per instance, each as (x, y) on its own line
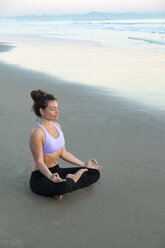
(41, 99)
(36, 95)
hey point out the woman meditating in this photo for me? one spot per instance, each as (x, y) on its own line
(47, 144)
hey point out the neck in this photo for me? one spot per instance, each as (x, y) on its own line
(46, 123)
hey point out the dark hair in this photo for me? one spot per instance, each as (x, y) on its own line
(41, 99)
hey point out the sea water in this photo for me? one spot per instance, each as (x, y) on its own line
(40, 45)
(148, 34)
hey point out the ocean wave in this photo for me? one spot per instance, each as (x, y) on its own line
(147, 40)
(118, 33)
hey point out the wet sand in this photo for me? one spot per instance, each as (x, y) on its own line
(134, 74)
(124, 209)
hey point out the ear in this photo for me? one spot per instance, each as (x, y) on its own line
(41, 111)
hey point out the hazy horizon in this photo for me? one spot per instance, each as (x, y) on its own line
(95, 15)
(68, 7)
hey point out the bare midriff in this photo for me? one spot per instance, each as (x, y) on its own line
(50, 160)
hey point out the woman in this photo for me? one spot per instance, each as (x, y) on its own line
(47, 144)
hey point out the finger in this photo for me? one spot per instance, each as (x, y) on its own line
(94, 160)
(55, 174)
(60, 180)
(57, 177)
(97, 167)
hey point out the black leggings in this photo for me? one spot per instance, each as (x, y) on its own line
(41, 185)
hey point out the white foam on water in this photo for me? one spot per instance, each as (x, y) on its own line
(81, 52)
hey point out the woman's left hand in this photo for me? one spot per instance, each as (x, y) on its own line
(92, 163)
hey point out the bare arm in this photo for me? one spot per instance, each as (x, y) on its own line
(67, 156)
(36, 147)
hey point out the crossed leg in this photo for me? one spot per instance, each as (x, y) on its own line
(76, 176)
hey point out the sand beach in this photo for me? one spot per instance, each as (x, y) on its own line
(124, 209)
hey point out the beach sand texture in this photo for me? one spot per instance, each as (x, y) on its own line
(124, 209)
(134, 74)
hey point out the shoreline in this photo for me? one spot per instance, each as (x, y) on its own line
(103, 92)
(141, 72)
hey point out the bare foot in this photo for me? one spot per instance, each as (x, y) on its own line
(77, 175)
(58, 197)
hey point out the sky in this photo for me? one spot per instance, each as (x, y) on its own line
(57, 7)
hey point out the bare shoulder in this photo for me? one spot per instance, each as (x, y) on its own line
(58, 125)
(36, 142)
(37, 133)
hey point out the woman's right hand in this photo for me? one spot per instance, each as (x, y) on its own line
(56, 178)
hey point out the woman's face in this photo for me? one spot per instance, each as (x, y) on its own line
(51, 111)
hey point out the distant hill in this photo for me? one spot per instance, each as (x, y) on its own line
(92, 16)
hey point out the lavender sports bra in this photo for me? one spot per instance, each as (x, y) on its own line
(52, 144)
